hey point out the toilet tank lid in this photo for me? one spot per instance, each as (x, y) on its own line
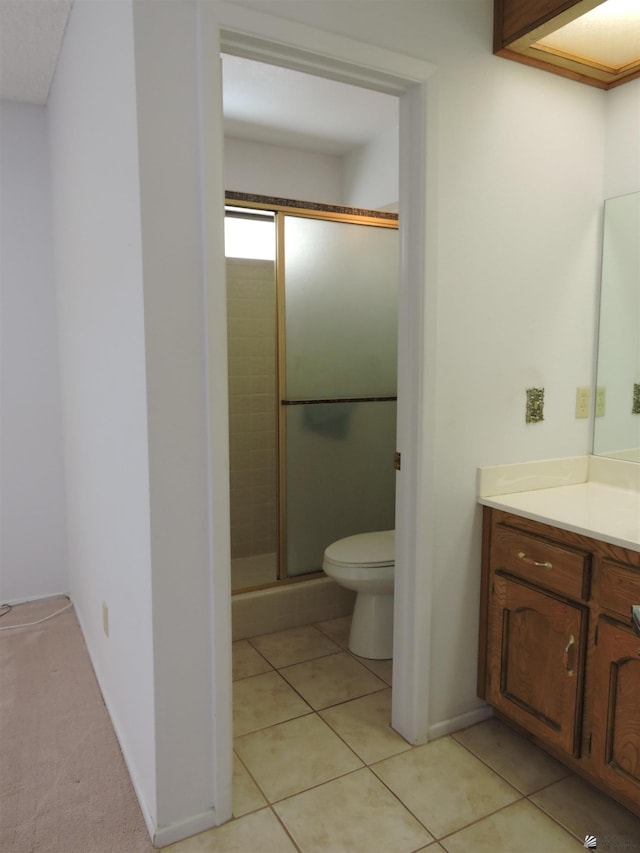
(367, 548)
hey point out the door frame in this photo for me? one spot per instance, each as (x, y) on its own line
(225, 27)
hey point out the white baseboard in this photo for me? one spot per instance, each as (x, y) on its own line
(463, 721)
(16, 601)
(185, 828)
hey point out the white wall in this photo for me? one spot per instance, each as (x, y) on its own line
(365, 177)
(370, 173)
(520, 175)
(520, 212)
(622, 153)
(33, 550)
(125, 137)
(96, 227)
(174, 246)
(275, 170)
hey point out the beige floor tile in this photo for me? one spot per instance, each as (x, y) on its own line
(516, 759)
(264, 700)
(247, 661)
(520, 828)
(444, 785)
(382, 668)
(354, 813)
(338, 629)
(246, 794)
(294, 756)
(583, 810)
(294, 646)
(365, 724)
(329, 680)
(258, 831)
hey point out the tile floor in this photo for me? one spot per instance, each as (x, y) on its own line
(319, 770)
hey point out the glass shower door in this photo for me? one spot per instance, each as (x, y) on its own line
(338, 409)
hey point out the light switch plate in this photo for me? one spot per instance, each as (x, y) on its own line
(535, 405)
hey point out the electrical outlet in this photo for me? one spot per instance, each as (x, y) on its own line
(601, 399)
(105, 618)
(583, 401)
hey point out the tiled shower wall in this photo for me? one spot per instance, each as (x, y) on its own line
(251, 313)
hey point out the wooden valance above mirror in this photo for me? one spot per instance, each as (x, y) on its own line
(591, 41)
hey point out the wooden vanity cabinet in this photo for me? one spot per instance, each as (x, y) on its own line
(537, 633)
(615, 747)
(558, 657)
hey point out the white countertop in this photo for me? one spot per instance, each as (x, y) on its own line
(592, 509)
(601, 510)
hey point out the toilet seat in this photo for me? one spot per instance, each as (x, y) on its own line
(373, 550)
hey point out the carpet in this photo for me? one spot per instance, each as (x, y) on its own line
(64, 786)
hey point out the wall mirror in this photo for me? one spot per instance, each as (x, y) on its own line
(617, 413)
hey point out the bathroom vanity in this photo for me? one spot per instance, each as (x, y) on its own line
(559, 654)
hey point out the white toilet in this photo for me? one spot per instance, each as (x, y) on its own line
(365, 563)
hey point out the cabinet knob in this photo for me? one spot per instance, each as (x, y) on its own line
(635, 618)
(522, 556)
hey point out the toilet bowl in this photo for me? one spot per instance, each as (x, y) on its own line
(365, 563)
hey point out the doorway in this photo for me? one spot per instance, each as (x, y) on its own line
(247, 33)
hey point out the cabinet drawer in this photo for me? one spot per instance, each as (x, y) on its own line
(619, 588)
(555, 567)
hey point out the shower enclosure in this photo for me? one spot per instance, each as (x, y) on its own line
(312, 327)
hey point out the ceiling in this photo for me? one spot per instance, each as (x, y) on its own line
(262, 102)
(267, 103)
(31, 33)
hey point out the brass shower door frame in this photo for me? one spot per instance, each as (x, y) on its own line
(280, 208)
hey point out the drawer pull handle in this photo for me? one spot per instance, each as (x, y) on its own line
(635, 618)
(568, 648)
(526, 559)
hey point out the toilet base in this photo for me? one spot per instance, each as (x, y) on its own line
(372, 627)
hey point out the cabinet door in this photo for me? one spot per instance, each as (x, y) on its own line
(615, 745)
(536, 644)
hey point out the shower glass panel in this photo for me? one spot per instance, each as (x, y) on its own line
(341, 309)
(340, 476)
(338, 406)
